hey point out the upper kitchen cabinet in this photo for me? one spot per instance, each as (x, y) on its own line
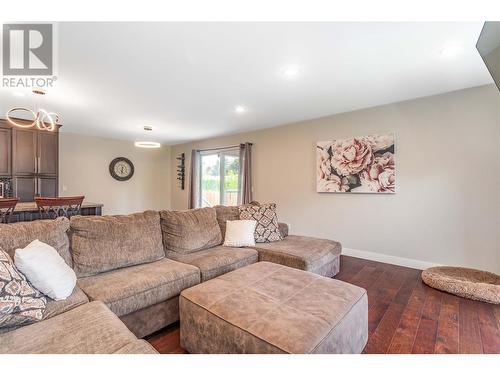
(35, 152)
(5, 151)
(48, 153)
(24, 151)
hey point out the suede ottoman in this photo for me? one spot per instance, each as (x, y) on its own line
(270, 308)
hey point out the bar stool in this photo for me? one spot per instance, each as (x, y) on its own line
(52, 208)
(7, 206)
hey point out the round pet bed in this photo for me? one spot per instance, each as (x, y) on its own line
(464, 282)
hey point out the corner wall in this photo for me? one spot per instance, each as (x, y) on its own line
(447, 206)
(84, 170)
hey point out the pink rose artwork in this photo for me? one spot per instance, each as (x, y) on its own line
(356, 165)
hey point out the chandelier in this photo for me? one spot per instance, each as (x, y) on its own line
(42, 119)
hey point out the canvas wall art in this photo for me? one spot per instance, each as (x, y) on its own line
(357, 165)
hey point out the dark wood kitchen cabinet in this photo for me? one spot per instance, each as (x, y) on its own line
(47, 153)
(5, 151)
(47, 187)
(35, 152)
(30, 158)
(24, 152)
(25, 188)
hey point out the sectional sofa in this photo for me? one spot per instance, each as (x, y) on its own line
(131, 270)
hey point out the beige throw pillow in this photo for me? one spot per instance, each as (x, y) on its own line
(240, 233)
(46, 270)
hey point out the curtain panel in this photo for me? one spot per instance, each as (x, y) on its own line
(194, 179)
(245, 195)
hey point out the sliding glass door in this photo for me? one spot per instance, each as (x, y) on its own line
(219, 178)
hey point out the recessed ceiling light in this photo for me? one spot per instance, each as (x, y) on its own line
(144, 144)
(240, 109)
(291, 72)
(451, 50)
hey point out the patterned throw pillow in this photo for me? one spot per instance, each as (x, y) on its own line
(267, 229)
(20, 303)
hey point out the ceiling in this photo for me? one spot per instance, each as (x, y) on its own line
(186, 79)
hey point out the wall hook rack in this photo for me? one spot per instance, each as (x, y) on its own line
(181, 170)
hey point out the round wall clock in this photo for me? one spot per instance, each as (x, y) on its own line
(122, 169)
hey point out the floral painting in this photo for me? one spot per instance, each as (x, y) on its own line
(356, 165)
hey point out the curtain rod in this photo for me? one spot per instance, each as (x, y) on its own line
(222, 148)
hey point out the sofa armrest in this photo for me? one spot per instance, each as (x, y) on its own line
(283, 227)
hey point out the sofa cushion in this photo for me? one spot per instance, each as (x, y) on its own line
(311, 254)
(283, 229)
(190, 231)
(267, 229)
(88, 329)
(133, 288)
(54, 308)
(75, 299)
(52, 232)
(217, 260)
(224, 214)
(137, 347)
(20, 302)
(104, 243)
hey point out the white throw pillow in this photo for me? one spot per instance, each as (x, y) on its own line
(240, 233)
(46, 270)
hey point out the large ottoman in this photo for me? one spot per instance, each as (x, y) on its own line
(270, 308)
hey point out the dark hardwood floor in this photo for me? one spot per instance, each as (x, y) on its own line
(404, 315)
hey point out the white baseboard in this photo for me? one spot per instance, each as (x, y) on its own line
(384, 258)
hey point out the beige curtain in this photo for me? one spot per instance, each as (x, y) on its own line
(245, 186)
(194, 179)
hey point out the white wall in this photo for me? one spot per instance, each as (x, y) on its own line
(84, 170)
(447, 206)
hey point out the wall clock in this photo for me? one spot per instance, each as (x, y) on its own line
(121, 169)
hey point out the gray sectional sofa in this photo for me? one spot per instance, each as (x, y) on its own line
(131, 270)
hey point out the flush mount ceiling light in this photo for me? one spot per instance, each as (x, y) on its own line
(240, 109)
(451, 50)
(290, 72)
(147, 144)
(42, 119)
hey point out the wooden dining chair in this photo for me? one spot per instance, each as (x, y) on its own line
(52, 208)
(7, 206)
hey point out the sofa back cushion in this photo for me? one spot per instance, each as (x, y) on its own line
(224, 214)
(105, 243)
(52, 232)
(189, 231)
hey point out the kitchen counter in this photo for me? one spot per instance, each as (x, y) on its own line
(31, 206)
(28, 211)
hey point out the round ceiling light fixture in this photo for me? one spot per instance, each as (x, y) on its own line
(147, 144)
(41, 119)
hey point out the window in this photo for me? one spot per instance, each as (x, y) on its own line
(219, 177)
